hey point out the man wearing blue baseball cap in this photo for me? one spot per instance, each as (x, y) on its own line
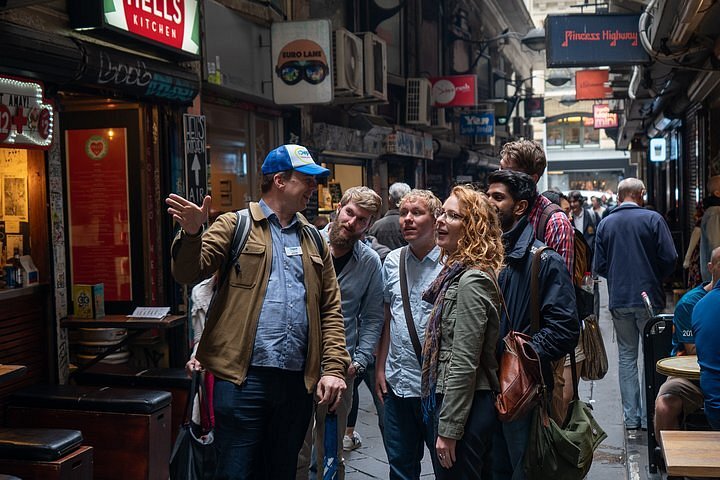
(275, 333)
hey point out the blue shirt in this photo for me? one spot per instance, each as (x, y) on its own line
(402, 370)
(361, 290)
(282, 332)
(682, 318)
(706, 328)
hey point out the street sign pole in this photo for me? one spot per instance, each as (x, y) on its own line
(196, 169)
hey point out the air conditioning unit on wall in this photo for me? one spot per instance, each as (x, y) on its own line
(438, 119)
(418, 99)
(374, 67)
(348, 70)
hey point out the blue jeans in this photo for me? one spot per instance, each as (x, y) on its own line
(472, 449)
(260, 425)
(405, 433)
(508, 448)
(629, 326)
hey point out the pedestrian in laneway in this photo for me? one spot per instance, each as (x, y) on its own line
(387, 229)
(359, 275)
(512, 193)
(635, 252)
(678, 397)
(397, 371)
(710, 225)
(706, 329)
(459, 371)
(277, 321)
(553, 228)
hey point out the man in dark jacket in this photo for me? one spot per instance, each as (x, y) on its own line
(584, 219)
(635, 252)
(387, 229)
(512, 193)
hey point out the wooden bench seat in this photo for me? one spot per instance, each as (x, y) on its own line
(129, 429)
(45, 454)
(173, 380)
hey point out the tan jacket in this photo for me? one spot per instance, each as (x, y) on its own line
(227, 341)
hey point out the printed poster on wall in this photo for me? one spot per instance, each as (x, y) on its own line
(98, 210)
(13, 188)
(301, 55)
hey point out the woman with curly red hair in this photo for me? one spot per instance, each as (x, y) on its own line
(459, 370)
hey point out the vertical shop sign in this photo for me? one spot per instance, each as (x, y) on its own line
(195, 157)
(98, 210)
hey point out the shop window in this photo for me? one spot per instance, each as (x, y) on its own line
(229, 153)
(14, 231)
(572, 133)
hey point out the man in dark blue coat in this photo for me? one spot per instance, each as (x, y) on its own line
(635, 252)
(512, 193)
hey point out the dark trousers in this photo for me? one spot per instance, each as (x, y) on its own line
(405, 434)
(472, 450)
(260, 425)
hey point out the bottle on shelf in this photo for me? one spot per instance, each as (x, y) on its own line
(17, 268)
(587, 283)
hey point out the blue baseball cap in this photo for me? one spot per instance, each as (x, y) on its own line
(292, 157)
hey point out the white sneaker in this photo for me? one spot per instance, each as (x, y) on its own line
(351, 443)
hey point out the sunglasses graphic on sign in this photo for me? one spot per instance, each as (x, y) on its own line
(302, 60)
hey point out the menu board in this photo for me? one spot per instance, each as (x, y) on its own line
(98, 210)
(335, 192)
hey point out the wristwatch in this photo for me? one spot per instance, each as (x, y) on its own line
(359, 368)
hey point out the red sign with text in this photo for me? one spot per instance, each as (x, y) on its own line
(98, 210)
(602, 117)
(454, 91)
(592, 84)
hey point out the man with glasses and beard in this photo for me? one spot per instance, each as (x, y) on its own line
(359, 275)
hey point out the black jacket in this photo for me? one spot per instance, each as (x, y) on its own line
(387, 230)
(559, 324)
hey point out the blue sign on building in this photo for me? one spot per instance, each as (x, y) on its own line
(478, 124)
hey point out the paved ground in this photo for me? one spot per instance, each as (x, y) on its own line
(622, 456)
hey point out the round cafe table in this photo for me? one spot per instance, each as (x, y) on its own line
(685, 366)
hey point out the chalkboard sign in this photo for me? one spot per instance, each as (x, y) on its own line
(335, 192)
(311, 211)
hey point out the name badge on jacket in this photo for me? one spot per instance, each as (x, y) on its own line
(293, 251)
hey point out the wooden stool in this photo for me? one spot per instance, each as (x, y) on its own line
(173, 380)
(45, 454)
(129, 429)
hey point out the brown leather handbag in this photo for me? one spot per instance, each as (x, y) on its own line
(520, 375)
(521, 381)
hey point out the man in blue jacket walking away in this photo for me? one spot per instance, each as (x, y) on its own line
(635, 252)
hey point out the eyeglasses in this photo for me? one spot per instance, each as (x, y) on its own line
(312, 71)
(450, 217)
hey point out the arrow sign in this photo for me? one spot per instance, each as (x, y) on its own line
(196, 168)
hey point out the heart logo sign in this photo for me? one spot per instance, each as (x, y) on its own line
(96, 147)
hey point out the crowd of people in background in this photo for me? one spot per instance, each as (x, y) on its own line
(416, 304)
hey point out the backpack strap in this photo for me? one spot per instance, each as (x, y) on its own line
(319, 242)
(240, 236)
(547, 212)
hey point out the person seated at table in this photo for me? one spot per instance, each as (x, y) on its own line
(706, 329)
(678, 397)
